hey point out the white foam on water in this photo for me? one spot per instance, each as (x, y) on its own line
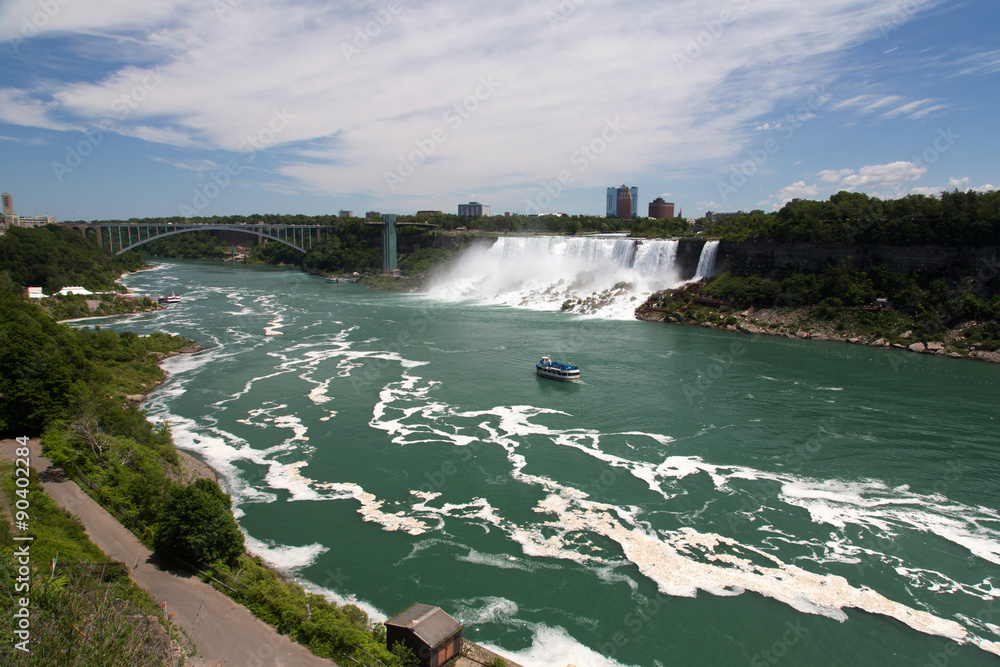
(554, 647)
(669, 563)
(685, 561)
(284, 558)
(873, 505)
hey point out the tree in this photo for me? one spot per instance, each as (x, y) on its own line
(197, 524)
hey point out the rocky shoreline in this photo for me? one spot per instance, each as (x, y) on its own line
(797, 323)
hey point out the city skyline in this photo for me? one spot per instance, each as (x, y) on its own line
(183, 108)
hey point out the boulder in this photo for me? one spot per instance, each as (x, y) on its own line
(853, 340)
(907, 334)
(935, 346)
(801, 334)
(819, 336)
(134, 398)
(918, 347)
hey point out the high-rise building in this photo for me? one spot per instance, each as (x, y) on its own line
(345, 214)
(659, 209)
(474, 209)
(8, 210)
(623, 202)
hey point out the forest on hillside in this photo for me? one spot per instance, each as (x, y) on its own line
(54, 257)
(952, 219)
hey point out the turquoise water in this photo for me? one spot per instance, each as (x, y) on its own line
(699, 498)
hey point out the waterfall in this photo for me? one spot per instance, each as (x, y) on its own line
(706, 262)
(603, 276)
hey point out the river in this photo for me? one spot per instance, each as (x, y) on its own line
(699, 498)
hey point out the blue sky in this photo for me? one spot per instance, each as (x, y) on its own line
(120, 109)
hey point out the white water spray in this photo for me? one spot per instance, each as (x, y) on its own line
(596, 276)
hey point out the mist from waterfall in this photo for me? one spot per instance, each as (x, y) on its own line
(596, 276)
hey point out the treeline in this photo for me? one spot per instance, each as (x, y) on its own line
(550, 223)
(931, 306)
(54, 257)
(955, 218)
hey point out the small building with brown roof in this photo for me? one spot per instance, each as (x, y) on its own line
(432, 635)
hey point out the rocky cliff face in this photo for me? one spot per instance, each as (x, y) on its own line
(761, 257)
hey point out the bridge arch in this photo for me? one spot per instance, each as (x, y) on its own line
(211, 228)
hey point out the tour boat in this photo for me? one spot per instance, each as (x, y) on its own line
(557, 371)
(173, 298)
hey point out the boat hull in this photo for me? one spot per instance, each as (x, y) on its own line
(562, 376)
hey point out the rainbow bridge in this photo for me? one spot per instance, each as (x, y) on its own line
(120, 237)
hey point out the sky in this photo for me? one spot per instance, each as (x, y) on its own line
(117, 109)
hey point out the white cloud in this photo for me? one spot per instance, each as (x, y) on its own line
(19, 107)
(873, 177)
(360, 105)
(798, 190)
(833, 175)
(960, 184)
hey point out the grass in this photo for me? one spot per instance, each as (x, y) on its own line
(81, 612)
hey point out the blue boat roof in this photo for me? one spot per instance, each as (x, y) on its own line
(556, 364)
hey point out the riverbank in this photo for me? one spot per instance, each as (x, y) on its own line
(803, 324)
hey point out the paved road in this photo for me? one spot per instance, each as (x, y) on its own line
(224, 632)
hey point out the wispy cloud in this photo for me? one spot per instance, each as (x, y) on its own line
(369, 89)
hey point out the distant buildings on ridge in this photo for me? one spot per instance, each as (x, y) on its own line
(659, 209)
(11, 219)
(474, 209)
(623, 203)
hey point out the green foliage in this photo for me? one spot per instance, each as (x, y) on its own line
(329, 630)
(188, 245)
(38, 367)
(56, 532)
(273, 252)
(659, 229)
(196, 524)
(499, 662)
(46, 368)
(351, 246)
(54, 257)
(71, 599)
(955, 218)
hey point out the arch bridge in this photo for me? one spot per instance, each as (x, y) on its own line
(120, 237)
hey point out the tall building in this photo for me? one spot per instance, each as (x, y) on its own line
(474, 209)
(659, 209)
(8, 210)
(345, 214)
(623, 202)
